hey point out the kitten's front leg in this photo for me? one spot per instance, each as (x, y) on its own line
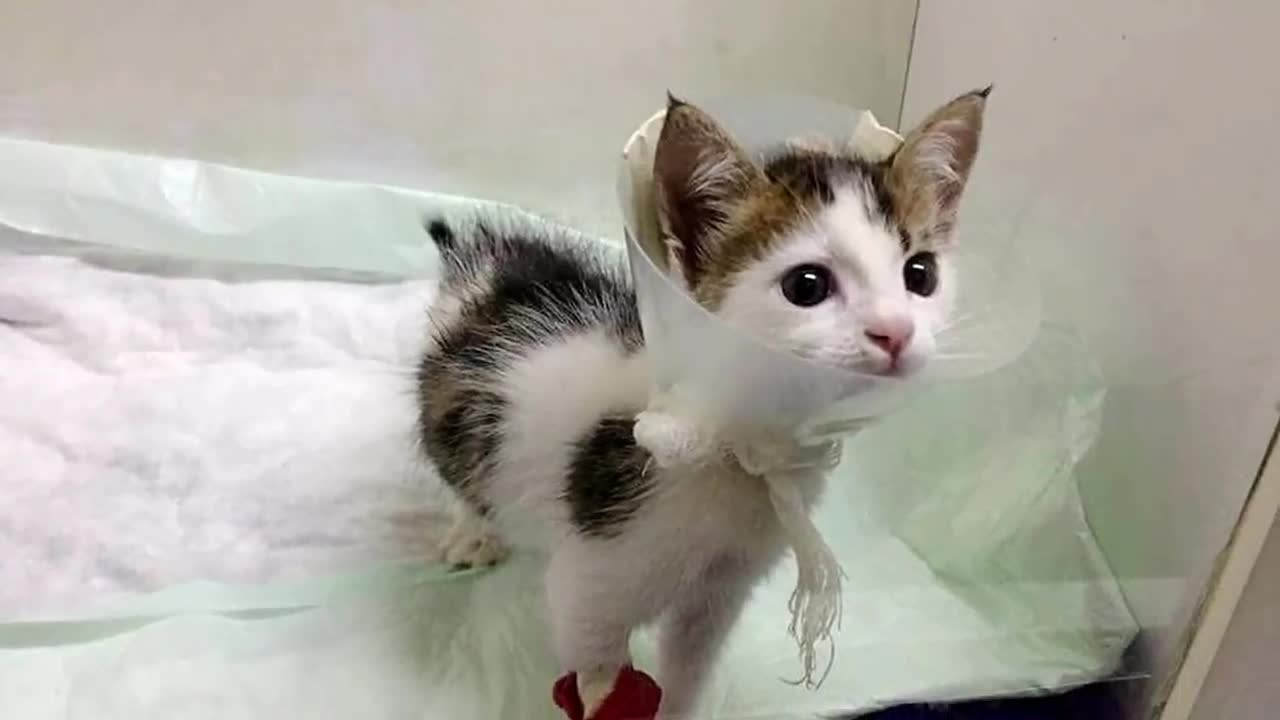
(692, 632)
(590, 624)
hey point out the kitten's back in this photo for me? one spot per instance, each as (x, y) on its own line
(533, 375)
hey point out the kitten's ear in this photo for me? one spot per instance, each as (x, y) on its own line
(699, 173)
(928, 172)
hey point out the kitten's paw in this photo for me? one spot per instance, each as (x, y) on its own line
(469, 544)
(673, 441)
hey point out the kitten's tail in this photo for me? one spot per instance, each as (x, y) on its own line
(446, 241)
(441, 234)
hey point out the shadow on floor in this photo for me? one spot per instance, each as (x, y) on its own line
(1102, 701)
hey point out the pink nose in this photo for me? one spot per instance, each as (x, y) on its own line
(891, 334)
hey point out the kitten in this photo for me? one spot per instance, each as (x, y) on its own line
(537, 370)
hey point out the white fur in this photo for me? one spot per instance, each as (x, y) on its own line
(556, 394)
(687, 560)
(866, 260)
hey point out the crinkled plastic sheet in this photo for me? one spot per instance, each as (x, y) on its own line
(972, 570)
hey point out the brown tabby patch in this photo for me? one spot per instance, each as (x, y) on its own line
(802, 182)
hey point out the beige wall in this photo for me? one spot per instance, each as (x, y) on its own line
(1135, 143)
(514, 100)
(1244, 682)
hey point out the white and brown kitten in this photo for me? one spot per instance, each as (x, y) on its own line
(537, 370)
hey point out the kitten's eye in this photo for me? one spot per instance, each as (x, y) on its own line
(921, 274)
(807, 285)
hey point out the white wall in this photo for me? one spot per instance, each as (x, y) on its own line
(527, 102)
(1136, 143)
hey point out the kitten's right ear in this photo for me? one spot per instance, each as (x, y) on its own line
(700, 173)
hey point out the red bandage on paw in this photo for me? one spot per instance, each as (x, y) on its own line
(635, 696)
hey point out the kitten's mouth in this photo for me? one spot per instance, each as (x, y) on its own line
(891, 370)
(866, 362)
(896, 367)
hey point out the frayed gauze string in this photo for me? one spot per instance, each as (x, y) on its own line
(816, 603)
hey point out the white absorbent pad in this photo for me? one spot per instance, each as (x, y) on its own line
(211, 503)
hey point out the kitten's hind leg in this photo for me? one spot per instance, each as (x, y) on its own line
(471, 541)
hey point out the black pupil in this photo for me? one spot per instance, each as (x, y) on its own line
(921, 274)
(806, 285)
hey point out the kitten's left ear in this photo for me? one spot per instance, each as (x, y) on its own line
(928, 172)
(700, 173)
